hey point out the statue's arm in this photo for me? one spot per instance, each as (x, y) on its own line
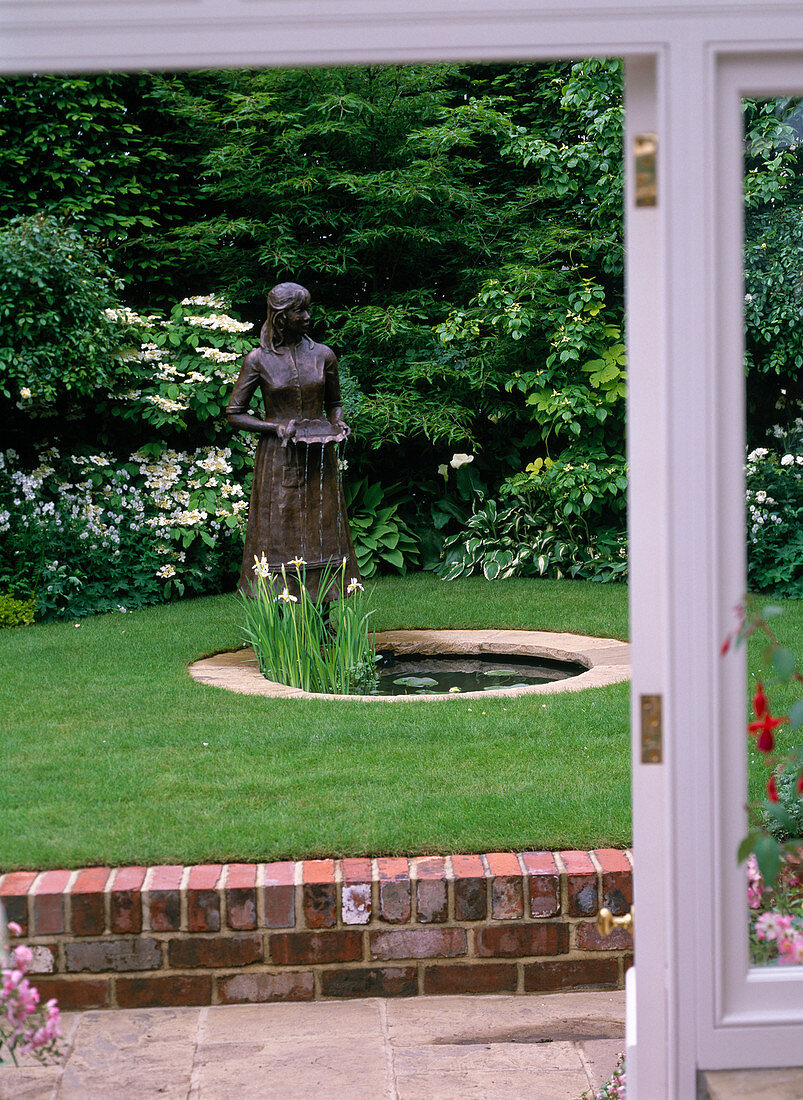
(332, 399)
(237, 411)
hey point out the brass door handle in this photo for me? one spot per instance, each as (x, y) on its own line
(606, 922)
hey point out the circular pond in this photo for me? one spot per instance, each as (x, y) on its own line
(595, 662)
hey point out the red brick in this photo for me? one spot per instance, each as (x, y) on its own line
(507, 898)
(75, 995)
(241, 896)
(356, 870)
(356, 903)
(544, 883)
(164, 898)
(571, 974)
(203, 900)
(470, 892)
(320, 904)
(391, 981)
(503, 863)
(166, 877)
(483, 978)
(134, 953)
(204, 876)
(173, 989)
(259, 988)
(279, 894)
(581, 876)
(520, 941)
(308, 948)
(627, 962)
(48, 903)
(241, 876)
(217, 951)
(318, 870)
(431, 867)
(617, 880)
(393, 870)
(14, 892)
(431, 890)
(395, 891)
(418, 943)
(589, 939)
(126, 900)
(87, 902)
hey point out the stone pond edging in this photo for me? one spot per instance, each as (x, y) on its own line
(607, 661)
(314, 929)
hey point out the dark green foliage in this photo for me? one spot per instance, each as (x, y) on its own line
(773, 262)
(788, 823)
(91, 150)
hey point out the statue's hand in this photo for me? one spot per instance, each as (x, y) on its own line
(286, 432)
(341, 427)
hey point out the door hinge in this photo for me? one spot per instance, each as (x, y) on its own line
(652, 730)
(645, 154)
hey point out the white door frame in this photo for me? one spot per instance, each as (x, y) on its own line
(696, 1000)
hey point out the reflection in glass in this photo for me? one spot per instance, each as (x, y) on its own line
(773, 312)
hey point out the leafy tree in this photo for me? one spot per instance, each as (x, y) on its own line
(91, 150)
(56, 343)
(773, 262)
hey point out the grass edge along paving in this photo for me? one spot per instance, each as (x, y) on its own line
(114, 755)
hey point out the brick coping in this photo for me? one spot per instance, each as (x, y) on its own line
(495, 922)
(607, 661)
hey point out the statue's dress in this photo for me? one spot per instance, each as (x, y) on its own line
(297, 507)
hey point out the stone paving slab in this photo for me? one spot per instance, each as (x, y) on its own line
(607, 661)
(530, 1047)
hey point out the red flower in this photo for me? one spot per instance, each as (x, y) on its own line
(725, 646)
(760, 701)
(772, 790)
(765, 729)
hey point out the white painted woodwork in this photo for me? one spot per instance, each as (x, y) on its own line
(698, 1005)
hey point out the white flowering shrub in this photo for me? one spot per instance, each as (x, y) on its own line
(774, 482)
(93, 533)
(184, 365)
(161, 517)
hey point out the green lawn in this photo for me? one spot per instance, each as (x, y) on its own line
(112, 754)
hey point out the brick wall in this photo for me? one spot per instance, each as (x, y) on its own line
(212, 934)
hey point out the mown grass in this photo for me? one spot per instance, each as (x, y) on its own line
(112, 754)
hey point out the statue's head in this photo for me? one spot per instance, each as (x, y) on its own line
(282, 299)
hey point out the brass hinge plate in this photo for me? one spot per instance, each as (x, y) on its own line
(652, 730)
(645, 155)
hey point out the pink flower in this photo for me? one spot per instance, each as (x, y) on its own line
(23, 957)
(14, 929)
(755, 883)
(790, 951)
(773, 926)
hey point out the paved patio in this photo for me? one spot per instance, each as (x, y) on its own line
(433, 1048)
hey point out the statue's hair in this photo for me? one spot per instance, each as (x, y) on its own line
(281, 298)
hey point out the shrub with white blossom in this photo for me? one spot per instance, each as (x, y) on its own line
(774, 484)
(121, 529)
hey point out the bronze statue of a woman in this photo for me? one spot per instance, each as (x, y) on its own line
(297, 510)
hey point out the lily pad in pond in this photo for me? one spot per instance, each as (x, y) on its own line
(500, 672)
(416, 681)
